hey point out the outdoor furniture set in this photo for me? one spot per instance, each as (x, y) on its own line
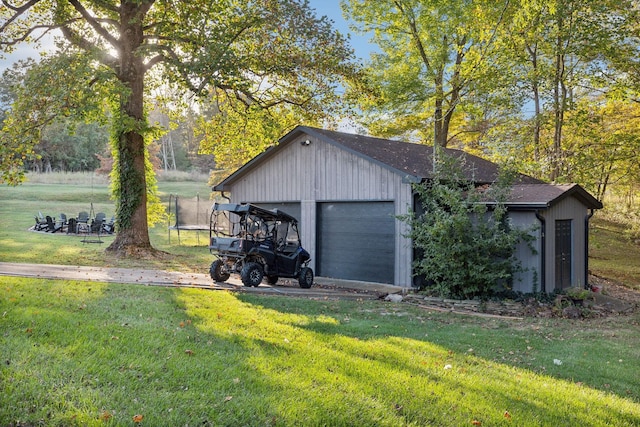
(82, 224)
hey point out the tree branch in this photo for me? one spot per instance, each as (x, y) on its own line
(86, 45)
(19, 10)
(94, 23)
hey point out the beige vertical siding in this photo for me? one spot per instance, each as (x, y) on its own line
(568, 208)
(323, 172)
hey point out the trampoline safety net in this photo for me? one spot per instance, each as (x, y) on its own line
(191, 214)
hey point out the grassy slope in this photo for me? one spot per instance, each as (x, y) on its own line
(100, 354)
(612, 255)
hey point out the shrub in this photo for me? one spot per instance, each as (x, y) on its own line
(463, 235)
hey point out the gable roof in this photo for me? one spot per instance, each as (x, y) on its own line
(414, 162)
(542, 196)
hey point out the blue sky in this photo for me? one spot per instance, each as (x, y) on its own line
(331, 8)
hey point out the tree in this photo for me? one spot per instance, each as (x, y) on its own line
(434, 57)
(267, 53)
(235, 133)
(562, 53)
(466, 250)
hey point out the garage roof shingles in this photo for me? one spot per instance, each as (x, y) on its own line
(415, 161)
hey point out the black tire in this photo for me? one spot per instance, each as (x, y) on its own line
(305, 279)
(272, 279)
(252, 274)
(218, 271)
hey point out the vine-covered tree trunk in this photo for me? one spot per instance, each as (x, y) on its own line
(131, 206)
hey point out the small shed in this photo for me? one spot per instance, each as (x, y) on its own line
(347, 191)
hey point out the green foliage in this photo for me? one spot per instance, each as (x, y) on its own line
(463, 235)
(55, 93)
(434, 58)
(235, 133)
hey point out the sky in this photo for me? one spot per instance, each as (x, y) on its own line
(330, 8)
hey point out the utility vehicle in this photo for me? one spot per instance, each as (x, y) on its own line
(256, 243)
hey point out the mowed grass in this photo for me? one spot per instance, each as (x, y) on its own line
(80, 353)
(78, 192)
(77, 353)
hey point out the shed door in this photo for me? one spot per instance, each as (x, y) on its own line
(564, 254)
(356, 241)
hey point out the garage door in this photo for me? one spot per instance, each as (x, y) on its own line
(356, 241)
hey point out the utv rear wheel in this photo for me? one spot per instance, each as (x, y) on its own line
(218, 271)
(305, 279)
(251, 274)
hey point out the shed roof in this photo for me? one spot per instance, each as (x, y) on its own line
(542, 196)
(414, 162)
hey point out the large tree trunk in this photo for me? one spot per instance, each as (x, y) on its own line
(132, 238)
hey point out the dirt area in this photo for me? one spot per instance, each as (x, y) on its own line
(612, 299)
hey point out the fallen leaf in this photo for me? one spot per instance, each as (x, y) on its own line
(189, 352)
(507, 415)
(182, 324)
(138, 418)
(106, 416)
(228, 398)
(476, 423)
(448, 367)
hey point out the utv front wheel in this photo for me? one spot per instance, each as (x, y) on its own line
(251, 274)
(305, 279)
(218, 271)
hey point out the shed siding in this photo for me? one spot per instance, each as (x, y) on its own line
(569, 208)
(320, 172)
(529, 280)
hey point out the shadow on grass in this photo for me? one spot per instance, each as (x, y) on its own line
(317, 369)
(94, 354)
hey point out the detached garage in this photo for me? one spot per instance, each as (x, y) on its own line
(347, 190)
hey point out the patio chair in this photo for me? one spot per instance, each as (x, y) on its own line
(82, 223)
(62, 221)
(109, 227)
(96, 225)
(51, 225)
(41, 222)
(72, 225)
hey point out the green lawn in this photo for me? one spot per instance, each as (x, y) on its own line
(80, 353)
(77, 353)
(20, 205)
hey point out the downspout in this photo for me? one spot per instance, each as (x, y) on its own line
(543, 252)
(225, 197)
(586, 248)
